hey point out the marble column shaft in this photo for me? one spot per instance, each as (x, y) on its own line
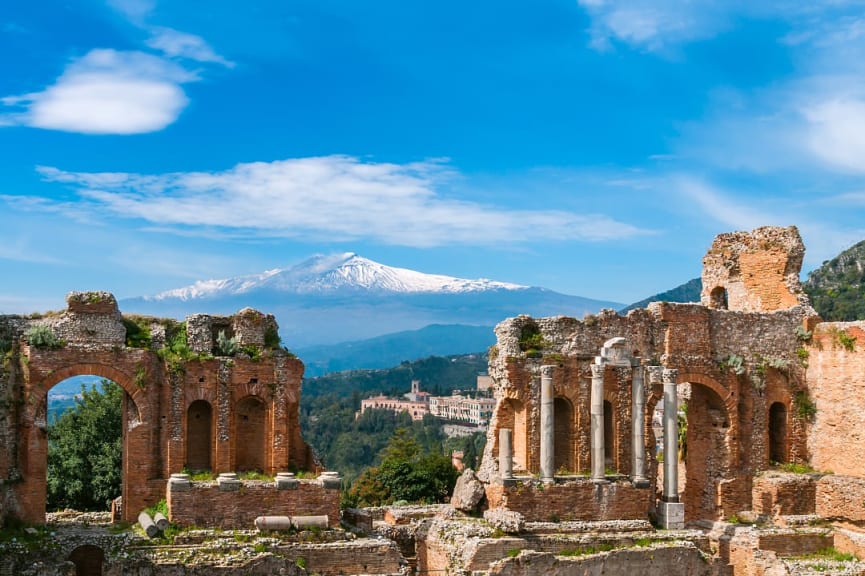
(506, 455)
(638, 415)
(596, 410)
(548, 428)
(671, 437)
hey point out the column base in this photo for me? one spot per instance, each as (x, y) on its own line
(641, 482)
(671, 515)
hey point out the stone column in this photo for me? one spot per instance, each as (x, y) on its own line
(548, 428)
(671, 512)
(638, 418)
(671, 437)
(506, 456)
(596, 411)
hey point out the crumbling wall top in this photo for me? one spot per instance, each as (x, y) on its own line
(756, 271)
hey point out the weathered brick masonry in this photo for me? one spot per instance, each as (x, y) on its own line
(189, 406)
(767, 381)
(203, 504)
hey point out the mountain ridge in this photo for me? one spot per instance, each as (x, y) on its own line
(331, 273)
(344, 297)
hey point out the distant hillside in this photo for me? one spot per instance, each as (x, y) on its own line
(837, 288)
(687, 292)
(438, 375)
(391, 349)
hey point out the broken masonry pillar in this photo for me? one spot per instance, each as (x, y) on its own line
(506, 456)
(638, 438)
(596, 409)
(548, 430)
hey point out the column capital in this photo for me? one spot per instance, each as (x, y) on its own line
(547, 370)
(598, 370)
(670, 375)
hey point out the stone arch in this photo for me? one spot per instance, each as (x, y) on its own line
(136, 430)
(40, 393)
(199, 435)
(88, 560)
(250, 435)
(565, 434)
(778, 433)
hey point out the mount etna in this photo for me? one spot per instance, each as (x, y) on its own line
(345, 298)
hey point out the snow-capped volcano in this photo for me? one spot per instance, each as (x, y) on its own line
(335, 273)
(345, 297)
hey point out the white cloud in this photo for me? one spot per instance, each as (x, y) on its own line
(654, 24)
(331, 198)
(135, 10)
(177, 44)
(837, 132)
(106, 92)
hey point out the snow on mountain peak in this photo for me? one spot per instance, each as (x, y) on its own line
(332, 273)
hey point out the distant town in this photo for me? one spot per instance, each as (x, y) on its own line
(466, 411)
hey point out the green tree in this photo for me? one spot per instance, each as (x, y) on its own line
(85, 451)
(406, 472)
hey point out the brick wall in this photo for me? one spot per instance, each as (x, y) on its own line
(576, 500)
(781, 494)
(836, 378)
(841, 497)
(205, 505)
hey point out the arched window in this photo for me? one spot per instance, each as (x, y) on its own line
(718, 298)
(198, 435)
(250, 434)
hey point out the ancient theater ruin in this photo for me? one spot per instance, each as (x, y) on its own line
(719, 438)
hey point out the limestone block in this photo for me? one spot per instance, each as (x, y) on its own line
(468, 492)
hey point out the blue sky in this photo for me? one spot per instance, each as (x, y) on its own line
(593, 147)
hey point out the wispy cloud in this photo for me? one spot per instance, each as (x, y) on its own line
(837, 132)
(134, 10)
(654, 24)
(106, 92)
(332, 198)
(177, 44)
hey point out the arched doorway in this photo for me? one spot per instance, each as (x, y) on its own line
(707, 460)
(199, 424)
(82, 420)
(250, 436)
(563, 417)
(778, 433)
(88, 560)
(511, 414)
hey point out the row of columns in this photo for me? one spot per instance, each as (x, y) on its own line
(598, 464)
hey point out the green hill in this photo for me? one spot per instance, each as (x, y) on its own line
(837, 288)
(687, 292)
